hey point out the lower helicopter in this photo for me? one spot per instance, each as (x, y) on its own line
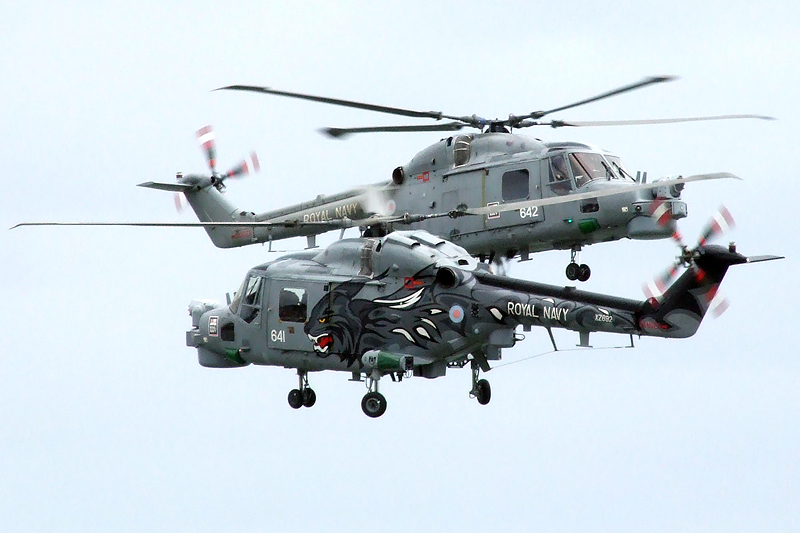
(412, 304)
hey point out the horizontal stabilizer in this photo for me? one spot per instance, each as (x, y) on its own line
(760, 258)
(173, 187)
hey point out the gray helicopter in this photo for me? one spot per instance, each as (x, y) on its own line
(496, 193)
(413, 304)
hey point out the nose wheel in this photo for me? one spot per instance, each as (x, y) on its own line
(303, 396)
(574, 270)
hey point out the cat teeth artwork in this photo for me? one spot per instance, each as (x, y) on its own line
(411, 304)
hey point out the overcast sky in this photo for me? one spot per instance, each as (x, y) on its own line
(109, 423)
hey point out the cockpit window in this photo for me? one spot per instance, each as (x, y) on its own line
(587, 167)
(461, 150)
(616, 164)
(250, 308)
(292, 305)
(237, 297)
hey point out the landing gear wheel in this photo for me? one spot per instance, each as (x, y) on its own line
(295, 399)
(373, 404)
(584, 272)
(309, 397)
(483, 391)
(573, 271)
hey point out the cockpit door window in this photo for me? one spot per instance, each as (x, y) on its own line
(560, 182)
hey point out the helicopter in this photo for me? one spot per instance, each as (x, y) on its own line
(413, 304)
(496, 193)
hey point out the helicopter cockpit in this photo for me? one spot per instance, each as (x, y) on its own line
(581, 168)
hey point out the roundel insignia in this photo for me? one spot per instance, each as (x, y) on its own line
(390, 207)
(456, 313)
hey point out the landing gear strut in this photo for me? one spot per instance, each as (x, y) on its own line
(481, 390)
(373, 403)
(576, 271)
(304, 396)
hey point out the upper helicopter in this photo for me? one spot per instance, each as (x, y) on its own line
(496, 193)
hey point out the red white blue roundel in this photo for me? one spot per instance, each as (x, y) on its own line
(456, 313)
(390, 207)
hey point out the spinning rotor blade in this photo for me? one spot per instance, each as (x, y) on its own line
(205, 136)
(340, 133)
(595, 194)
(721, 222)
(633, 86)
(332, 224)
(437, 115)
(579, 123)
(244, 168)
(178, 197)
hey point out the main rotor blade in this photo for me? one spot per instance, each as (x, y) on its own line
(333, 224)
(502, 208)
(633, 86)
(340, 133)
(579, 123)
(345, 103)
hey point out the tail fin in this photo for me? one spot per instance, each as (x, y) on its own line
(681, 309)
(208, 204)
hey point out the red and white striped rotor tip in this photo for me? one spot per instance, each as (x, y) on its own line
(244, 168)
(205, 136)
(721, 222)
(661, 211)
(179, 202)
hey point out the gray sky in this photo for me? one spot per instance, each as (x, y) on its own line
(109, 423)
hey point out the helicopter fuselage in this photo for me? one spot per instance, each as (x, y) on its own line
(416, 299)
(470, 171)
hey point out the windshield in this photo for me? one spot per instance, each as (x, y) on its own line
(587, 167)
(237, 297)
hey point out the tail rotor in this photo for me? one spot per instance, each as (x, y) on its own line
(721, 222)
(207, 140)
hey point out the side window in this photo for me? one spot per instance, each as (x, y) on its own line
(560, 183)
(292, 305)
(461, 150)
(516, 185)
(250, 307)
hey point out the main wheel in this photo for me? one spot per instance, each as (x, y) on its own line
(483, 392)
(373, 404)
(572, 271)
(584, 272)
(309, 397)
(295, 399)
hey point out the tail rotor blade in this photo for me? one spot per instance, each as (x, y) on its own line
(720, 308)
(245, 167)
(660, 211)
(659, 285)
(178, 197)
(721, 222)
(205, 136)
